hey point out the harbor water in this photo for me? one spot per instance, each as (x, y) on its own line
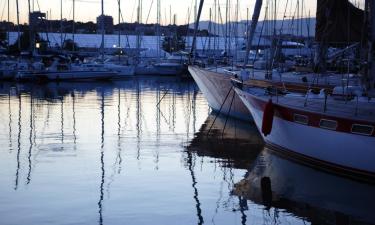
(150, 151)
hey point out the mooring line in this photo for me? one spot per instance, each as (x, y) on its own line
(221, 107)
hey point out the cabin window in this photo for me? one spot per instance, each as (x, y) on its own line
(301, 119)
(362, 129)
(328, 124)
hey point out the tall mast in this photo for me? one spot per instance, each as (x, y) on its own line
(61, 24)
(193, 46)
(139, 20)
(158, 21)
(251, 29)
(102, 28)
(236, 31)
(119, 24)
(18, 26)
(74, 24)
(226, 27)
(31, 29)
(8, 30)
(371, 8)
(210, 30)
(195, 9)
(215, 24)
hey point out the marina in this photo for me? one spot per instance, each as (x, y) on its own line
(242, 112)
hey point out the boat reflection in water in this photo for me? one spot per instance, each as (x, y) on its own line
(318, 197)
(233, 143)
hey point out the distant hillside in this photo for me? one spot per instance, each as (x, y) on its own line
(289, 26)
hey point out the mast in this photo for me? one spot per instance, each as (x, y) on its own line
(61, 24)
(139, 21)
(371, 76)
(158, 21)
(251, 29)
(195, 9)
(18, 26)
(74, 25)
(236, 30)
(102, 28)
(119, 22)
(31, 29)
(215, 25)
(209, 30)
(193, 46)
(8, 25)
(226, 27)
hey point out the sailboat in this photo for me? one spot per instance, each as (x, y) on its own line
(334, 132)
(215, 82)
(112, 64)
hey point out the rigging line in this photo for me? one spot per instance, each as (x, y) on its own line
(259, 40)
(134, 5)
(228, 114)
(280, 33)
(149, 11)
(65, 33)
(221, 107)
(221, 18)
(123, 21)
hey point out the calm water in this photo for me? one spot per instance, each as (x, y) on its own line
(141, 151)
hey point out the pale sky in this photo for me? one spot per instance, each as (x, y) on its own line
(88, 10)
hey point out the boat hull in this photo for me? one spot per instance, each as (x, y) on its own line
(124, 71)
(66, 76)
(170, 69)
(7, 74)
(218, 91)
(344, 153)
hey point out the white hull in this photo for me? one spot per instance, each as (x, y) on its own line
(169, 68)
(344, 152)
(215, 87)
(160, 69)
(121, 71)
(145, 70)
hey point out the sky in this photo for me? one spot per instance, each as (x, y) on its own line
(88, 10)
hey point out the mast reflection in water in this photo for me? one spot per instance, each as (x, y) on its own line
(128, 152)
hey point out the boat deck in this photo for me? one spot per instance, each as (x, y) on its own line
(294, 77)
(360, 108)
